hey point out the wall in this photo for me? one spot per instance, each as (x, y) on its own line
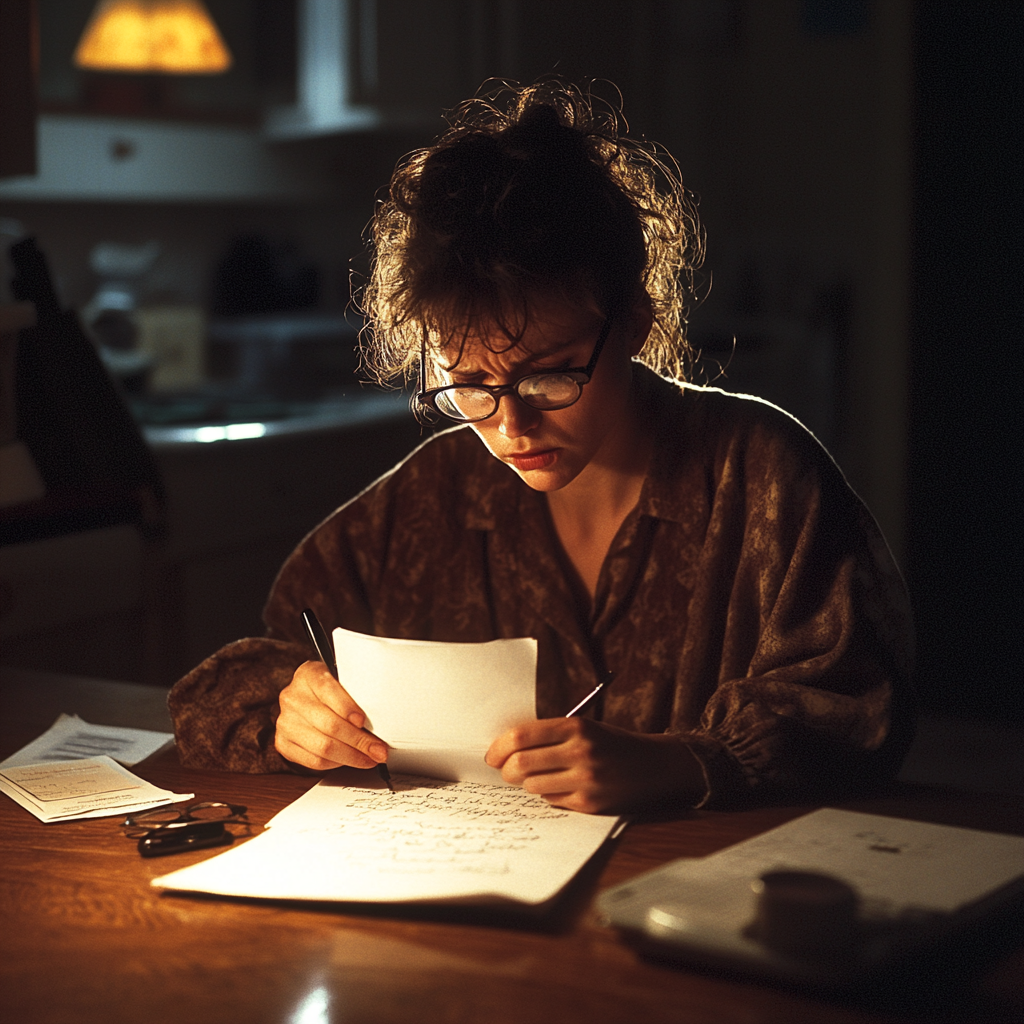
(965, 551)
(791, 122)
(789, 119)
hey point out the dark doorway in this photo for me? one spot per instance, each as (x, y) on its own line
(966, 459)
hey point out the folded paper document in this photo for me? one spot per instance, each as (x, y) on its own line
(91, 787)
(439, 706)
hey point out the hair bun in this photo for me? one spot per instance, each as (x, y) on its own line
(539, 195)
(540, 121)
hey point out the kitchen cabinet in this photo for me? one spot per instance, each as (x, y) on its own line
(105, 603)
(114, 159)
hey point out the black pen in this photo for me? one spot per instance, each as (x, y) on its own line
(323, 648)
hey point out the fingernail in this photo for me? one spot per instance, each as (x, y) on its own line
(357, 719)
(378, 752)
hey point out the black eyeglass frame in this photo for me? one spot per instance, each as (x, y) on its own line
(184, 831)
(427, 399)
(135, 825)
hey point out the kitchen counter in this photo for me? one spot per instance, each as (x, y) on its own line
(241, 494)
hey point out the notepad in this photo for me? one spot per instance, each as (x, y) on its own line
(439, 706)
(429, 841)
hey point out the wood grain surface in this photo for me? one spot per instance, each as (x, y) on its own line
(85, 939)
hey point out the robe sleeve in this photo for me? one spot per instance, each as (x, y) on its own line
(802, 620)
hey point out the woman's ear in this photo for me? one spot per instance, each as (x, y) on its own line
(641, 319)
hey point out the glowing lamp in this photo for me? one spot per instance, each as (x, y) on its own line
(171, 37)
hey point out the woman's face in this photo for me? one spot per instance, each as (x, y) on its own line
(550, 449)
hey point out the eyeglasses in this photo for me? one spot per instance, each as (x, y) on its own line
(166, 830)
(470, 403)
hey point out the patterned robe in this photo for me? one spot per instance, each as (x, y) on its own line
(748, 603)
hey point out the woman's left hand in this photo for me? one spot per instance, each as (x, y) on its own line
(584, 765)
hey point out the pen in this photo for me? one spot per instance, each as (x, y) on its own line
(589, 697)
(323, 648)
(579, 707)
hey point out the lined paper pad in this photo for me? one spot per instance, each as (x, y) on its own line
(439, 706)
(431, 840)
(91, 787)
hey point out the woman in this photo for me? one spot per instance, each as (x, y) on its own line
(698, 551)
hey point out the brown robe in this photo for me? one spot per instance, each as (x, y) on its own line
(748, 604)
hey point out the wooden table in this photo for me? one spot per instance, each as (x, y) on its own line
(84, 938)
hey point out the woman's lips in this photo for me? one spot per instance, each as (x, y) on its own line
(538, 459)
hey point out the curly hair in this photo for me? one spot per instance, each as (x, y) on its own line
(533, 192)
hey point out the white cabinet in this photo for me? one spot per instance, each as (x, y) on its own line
(124, 160)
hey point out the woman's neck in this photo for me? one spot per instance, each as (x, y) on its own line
(588, 512)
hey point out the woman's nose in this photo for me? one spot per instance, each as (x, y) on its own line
(515, 417)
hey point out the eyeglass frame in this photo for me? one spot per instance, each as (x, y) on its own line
(427, 399)
(185, 816)
(185, 831)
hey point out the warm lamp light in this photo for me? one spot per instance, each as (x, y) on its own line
(171, 37)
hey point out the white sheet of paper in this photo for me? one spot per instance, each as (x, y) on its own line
(439, 706)
(430, 840)
(92, 787)
(69, 738)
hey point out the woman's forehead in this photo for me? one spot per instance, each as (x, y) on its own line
(546, 330)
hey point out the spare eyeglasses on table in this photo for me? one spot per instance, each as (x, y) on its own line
(165, 830)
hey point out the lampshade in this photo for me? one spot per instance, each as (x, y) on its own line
(171, 37)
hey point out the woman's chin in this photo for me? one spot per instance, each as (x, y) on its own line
(553, 478)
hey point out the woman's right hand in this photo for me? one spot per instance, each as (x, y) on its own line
(321, 726)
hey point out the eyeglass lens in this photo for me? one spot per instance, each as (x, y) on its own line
(541, 391)
(205, 811)
(160, 816)
(213, 811)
